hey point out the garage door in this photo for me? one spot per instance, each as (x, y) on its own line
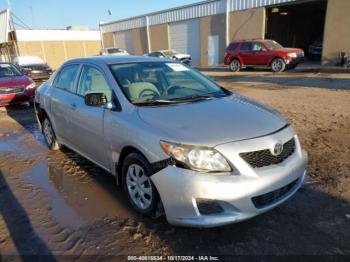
(185, 38)
(124, 40)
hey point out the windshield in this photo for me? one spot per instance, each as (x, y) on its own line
(150, 83)
(114, 50)
(272, 45)
(8, 70)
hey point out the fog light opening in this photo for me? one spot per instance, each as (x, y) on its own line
(209, 207)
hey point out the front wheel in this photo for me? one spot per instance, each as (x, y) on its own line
(235, 65)
(278, 65)
(49, 135)
(137, 184)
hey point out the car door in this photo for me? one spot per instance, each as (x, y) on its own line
(63, 102)
(88, 120)
(261, 54)
(246, 53)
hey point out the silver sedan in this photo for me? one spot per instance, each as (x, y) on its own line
(176, 141)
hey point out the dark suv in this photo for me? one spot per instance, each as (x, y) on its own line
(261, 53)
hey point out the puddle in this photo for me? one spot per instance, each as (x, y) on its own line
(24, 142)
(64, 214)
(76, 202)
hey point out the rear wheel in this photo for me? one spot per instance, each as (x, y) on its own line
(49, 135)
(137, 184)
(278, 65)
(235, 65)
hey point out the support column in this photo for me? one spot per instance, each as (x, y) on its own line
(149, 48)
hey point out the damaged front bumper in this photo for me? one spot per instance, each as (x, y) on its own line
(198, 199)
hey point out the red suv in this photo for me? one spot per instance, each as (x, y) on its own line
(261, 53)
(15, 87)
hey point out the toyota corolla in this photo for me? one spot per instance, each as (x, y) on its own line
(176, 141)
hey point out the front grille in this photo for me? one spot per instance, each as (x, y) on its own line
(300, 55)
(273, 196)
(11, 90)
(264, 158)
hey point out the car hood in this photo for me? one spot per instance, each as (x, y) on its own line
(213, 122)
(14, 81)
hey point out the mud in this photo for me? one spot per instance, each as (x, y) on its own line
(58, 203)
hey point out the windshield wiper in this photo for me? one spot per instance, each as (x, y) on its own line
(154, 102)
(200, 97)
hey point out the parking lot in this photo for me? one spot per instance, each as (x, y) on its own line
(58, 203)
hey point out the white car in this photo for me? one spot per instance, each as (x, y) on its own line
(114, 51)
(33, 66)
(171, 54)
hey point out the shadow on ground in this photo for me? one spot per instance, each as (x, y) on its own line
(23, 235)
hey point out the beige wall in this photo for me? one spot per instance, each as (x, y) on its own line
(212, 25)
(248, 24)
(139, 38)
(56, 53)
(337, 31)
(108, 40)
(159, 35)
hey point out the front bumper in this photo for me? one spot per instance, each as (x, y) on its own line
(181, 189)
(9, 99)
(294, 61)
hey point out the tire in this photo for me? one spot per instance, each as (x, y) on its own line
(138, 187)
(235, 65)
(278, 65)
(49, 135)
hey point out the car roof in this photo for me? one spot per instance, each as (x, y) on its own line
(112, 59)
(251, 40)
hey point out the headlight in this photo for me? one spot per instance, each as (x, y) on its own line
(197, 158)
(292, 55)
(31, 86)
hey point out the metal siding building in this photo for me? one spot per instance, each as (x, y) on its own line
(219, 22)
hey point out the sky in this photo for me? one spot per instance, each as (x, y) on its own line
(56, 14)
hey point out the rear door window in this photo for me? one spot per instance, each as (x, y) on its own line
(246, 46)
(66, 78)
(233, 46)
(258, 47)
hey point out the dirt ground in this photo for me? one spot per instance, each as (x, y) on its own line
(60, 205)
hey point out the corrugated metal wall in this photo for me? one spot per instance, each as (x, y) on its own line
(185, 38)
(123, 40)
(190, 12)
(206, 8)
(122, 25)
(237, 5)
(4, 26)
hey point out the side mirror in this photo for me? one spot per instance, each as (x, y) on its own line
(95, 99)
(25, 71)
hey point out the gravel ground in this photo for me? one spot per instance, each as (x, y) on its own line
(57, 203)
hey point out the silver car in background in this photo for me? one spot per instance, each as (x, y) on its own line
(176, 141)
